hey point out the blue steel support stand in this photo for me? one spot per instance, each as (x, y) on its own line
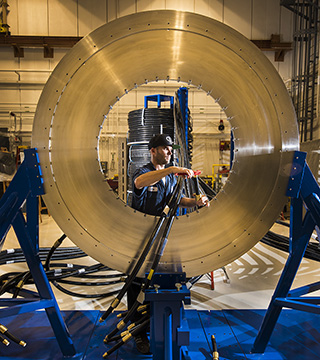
(169, 332)
(303, 189)
(158, 99)
(182, 94)
(27, 185)
(183, 100)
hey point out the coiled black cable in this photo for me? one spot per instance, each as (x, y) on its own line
(282, 242)
(59, 272)
(145, 123)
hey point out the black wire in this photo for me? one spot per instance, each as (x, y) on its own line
(86, 296)
(81, 283)
(14, 281)
(145, 123)
(282, 243)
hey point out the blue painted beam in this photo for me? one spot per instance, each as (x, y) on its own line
(303, 190)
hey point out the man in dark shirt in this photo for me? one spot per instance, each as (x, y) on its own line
(153, 184)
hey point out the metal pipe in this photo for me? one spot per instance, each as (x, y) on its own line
(168, 335)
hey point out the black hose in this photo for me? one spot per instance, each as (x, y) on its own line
(215, 354)
(143, 255)
(14, 281)
(281, 242)
(126, 338)
(52, 250)
(160, 249)
(10, 336)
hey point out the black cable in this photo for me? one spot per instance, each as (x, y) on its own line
(282, 243)
(52, 250)
(85, 296)
(17, 257)
(145, 123)
(215, 354)
(81, 283)
(193, 280)
(4, 341)
(144, 253)
(130, 327)
(158, 254)
(14, 281)
(21, 283)
(10, 336)
(20, 279)
(11, 283)
(207, 189)
(126, 338)
(283, 223)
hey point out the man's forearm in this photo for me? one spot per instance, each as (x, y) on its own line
(187, 202)
(151, 177)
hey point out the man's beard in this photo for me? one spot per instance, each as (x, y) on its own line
(161, 160)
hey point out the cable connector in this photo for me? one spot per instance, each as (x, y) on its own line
(215, 354)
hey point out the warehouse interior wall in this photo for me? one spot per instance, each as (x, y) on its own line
(23, 78)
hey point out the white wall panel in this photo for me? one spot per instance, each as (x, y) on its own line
(92, 14)
(265, 18)
(33, 59)
(7, 59)
(32, 17)
(63, 18)
(145, 5)
(237, 14)
(186, 5)
(112, 9)
(211, 8)
(126, 7)
(10, 96)
(30, 97)
(286, 24)
(205, 153)
(256, 19)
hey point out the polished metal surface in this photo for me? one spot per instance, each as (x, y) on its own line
(148, 46)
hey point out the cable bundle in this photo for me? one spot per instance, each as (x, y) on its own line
(282, 243)
(14, 256)
(145, 123)
(180, 127)
(59, 273)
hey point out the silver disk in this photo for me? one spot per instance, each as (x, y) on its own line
(150, 46)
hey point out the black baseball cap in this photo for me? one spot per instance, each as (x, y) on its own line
(162, 140)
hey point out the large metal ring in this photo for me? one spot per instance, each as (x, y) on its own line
(148, 46)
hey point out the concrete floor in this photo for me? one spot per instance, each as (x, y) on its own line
(233, 311)
(253, 277)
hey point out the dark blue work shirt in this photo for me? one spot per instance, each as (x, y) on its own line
(152, 199)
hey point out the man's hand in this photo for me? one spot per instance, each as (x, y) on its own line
(188, 173)
(202, 201)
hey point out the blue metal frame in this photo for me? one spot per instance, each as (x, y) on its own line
(183, 100)
(169, 331)
(158, 99)
(303, 189)
(27, 185)
(182, 94)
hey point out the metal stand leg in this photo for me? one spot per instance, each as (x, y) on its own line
(298, 246)
(303, 188)
(168, 329)
(27, 185)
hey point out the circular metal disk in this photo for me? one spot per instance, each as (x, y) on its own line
(149, 46)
